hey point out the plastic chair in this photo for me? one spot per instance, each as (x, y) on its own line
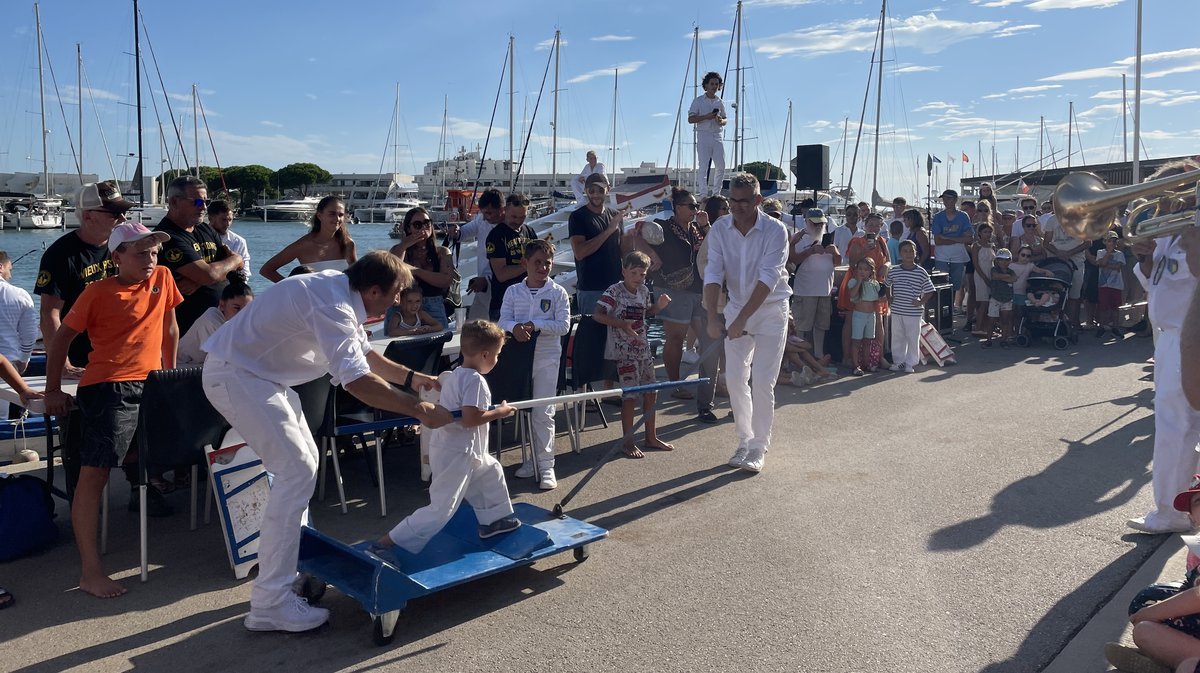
(587, 367)
(175, 423)
(511, 379)
(421, 353)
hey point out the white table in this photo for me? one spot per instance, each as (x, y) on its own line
(38, 384)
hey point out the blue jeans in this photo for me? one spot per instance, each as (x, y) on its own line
(587, 299)
(436, 308)
(955, 269)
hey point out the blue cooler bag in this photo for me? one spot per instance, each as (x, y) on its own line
(26, 516)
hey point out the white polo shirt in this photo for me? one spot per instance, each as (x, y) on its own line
(478, 229)
(297, 330)
(741, 262)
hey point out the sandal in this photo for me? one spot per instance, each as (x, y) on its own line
(660, 446)
(632, 451)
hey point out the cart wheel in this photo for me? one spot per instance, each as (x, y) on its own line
(1024, 341)
(1061, 343)
(558, 511)
(383, 627)
(582, 553)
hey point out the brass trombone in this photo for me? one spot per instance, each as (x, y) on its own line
(1086, 207)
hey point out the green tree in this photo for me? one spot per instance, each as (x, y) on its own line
(248, 182)
(301, 175)
(764, 170)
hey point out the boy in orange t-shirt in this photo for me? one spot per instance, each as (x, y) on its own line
(130, 319)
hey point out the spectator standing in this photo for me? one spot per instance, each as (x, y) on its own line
(578, 183)
(909, 288)
(595, 231)
(1110, 265)
(491, 213)
(812, 285)
(505, 250)
(234, 298)
(220, 218)
(848, 230)
(951, 235)
(1000, 297)
(707, 113)
(327, 246)
(431, 265)
(195, 255)
(1061, 244)
(747, 254)
(18, 318)
(983, 252)
(915, 221)
(1031, 237)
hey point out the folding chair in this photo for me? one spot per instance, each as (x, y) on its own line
(512, 379)
(587, 366)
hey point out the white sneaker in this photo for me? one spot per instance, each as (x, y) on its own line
(547, 481)
(525, 471)
(1154, 526)
(909, 369)
(754, 460)
(690, 357)
(739, 457)
(896, 368)
(294, 614)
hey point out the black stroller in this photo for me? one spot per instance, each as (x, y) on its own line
(1049, 320)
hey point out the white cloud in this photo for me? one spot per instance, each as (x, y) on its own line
(274, 125)
(310, 96)
(1043, 5)
(1190, 52)
(925, 33)
(778, 3)
(1169, 135)
(1180, 100)
(1124, 66)
(996, 3)
(936, 105)
(1106, 110)
(819, 125)
(466, 129)
(1172, 71)
(661, 114)
(1088, 73)
(623, 69)
(71, 93)
(546, 44)
(565, 143)
(1010, 31)
(612, 38)
(918, 68)
(1035, 88)
(710, 34)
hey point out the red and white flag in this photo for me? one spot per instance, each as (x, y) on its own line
(1022, 186)
(966, 159)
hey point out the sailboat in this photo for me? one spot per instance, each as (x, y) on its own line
(44, 211)
(400, 198)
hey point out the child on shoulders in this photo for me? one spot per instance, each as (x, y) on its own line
(463, 469)
(624, 308)
(537, 307)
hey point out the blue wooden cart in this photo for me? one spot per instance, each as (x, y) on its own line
(384, 583)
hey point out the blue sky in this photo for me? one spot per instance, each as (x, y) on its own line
(308, 81)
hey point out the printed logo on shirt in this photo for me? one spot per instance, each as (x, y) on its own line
(545, 306)
(43, 279)
(174, 255)
(490, 249)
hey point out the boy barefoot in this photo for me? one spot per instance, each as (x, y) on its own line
(624, 307)
(458, 453)
(130, 319)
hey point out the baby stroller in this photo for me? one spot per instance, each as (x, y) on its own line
(1049, 321)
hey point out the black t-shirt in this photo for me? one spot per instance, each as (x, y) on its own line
(68, 266)
(599, 270)
(678, 258)
(508, 244)
(201, 243)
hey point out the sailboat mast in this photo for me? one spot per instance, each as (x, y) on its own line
(396, 134)
(878, 104)
(613, 165)
(787, 136)
(137, 77)
(1124, 120)
(1041, 150)
(695, 94)
(196, 129)
(845, 130)
(511, 185)
(42, 99)
(442, 154)
(554, 129)
(737, 88)
(79, 87)
(1137, 102)
(1070, 119)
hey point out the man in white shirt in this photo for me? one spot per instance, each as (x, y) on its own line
(491, 213)
(18, 318)
(707, 112)
(1164, 269)
(1061, 244)
(850, 229)
(300, 329)
(592, 167)
(220, 218)
(812, 285)
(747, 253)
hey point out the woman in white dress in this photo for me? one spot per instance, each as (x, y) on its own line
(327, 246)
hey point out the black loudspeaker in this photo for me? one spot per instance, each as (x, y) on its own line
(811, 167)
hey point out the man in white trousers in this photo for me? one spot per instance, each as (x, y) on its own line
(298, 330)
(747, 252)
(592, 167)
(1170, 283)
(707, 112)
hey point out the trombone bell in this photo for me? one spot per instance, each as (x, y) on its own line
(1086, 207)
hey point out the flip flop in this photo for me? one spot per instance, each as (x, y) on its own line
(632, 452)
(661, 446)
(6, 599)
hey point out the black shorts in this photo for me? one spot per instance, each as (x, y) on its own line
(108, 416)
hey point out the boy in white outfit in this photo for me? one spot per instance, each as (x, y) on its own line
(539, 306)
(707, 112)
(458, 453)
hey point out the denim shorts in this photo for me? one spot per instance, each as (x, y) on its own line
(955, 269)
(862, 325)
(108, 416)
(586, 300)
(683, 309)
